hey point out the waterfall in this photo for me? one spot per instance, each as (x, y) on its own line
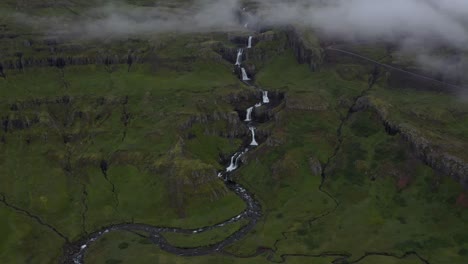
(245, 77)
(258, 104)
(249, 45)
(254, 142)
(233, 164)
(266, 100)
(239, 57)
(246, 25)
(248, 116)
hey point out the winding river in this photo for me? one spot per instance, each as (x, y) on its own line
(75, 252)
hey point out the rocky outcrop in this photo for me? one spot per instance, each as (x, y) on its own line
(227, 53)
(394, 75)
(306, 47)
(428, 152)
(239, 39)
(234, 129)
(315, 166)
(2, 74)
(267, 45)
(61, 62)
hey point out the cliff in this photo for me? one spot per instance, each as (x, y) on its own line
(430, 153)
(306, 47)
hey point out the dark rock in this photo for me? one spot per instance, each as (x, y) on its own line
(304, 52)
(2, 73)
(315, 166)
(426, 151)
(104, 166)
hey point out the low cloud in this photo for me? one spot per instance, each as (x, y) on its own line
(438, 21)
(417, 21)
(123, 20)
(416, 26)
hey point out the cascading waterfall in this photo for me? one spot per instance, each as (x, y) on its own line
(254, 142)
(245, 77)
(239, 57)
(236, 163)
(251, 213)
(266, 100)
(248, 116)
(233, 165)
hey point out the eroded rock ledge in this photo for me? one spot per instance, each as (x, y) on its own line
(425, 150)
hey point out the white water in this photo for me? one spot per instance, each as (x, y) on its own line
(248, 116)
(254, 142)
(245, 77)
(246, 25)
(239, 57)
(258, 104)
(233, 164)
(249, 45)
(266, 100)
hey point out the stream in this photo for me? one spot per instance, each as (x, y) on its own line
(75, 252)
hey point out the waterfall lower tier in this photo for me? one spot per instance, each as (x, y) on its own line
(239, 57)
(233, 165)
(248, 116)
(266, 100)
(234, 162)
(254, 142)
(249, 44)
(245, 77)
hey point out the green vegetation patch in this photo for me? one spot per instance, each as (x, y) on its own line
(205, 238)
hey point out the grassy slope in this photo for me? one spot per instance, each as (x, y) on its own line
(205, 238)
(128, 248)
(373, 215)
(61, 181)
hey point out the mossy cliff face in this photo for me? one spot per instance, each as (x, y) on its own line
(431, 154)
(306, 47)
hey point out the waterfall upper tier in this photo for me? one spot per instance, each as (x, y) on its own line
(239, 57)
